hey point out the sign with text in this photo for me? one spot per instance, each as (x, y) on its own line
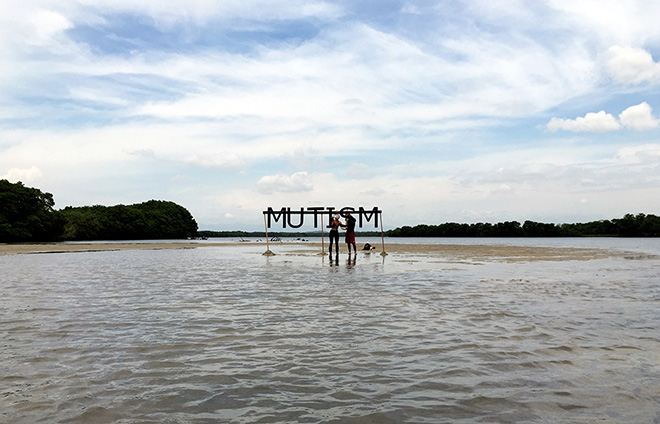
(296, 218)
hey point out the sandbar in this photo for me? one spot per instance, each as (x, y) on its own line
(444, 252)
(29, 248)
(496, 253)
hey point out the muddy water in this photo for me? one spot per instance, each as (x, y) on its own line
(223, 334)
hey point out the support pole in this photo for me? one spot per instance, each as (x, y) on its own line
(382, 235)
(267, 252)
(322, 238)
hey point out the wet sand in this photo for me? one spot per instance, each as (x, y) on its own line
(489, 253)
(27, 248)
(444, 252)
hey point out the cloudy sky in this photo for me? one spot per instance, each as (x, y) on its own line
(434, 111)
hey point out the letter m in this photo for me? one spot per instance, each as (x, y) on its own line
(368, 215)
(276, 216)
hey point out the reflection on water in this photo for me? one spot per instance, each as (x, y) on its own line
(223, 334)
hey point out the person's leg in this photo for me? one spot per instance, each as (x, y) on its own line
(350, 241)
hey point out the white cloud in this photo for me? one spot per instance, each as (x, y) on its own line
(630, 65)
(220, 160)
(591, 122)
(504, 188)
(646, 154)
(610, 22)
(48, 24)
(24, 175)
(295, 183)
(639, 118)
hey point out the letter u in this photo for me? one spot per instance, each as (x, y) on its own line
(302, 218)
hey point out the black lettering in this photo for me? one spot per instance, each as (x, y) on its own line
(285, 213)
(276, 217)
(346, 210)
(331, 211)
(368, 216)
(316, 210)
(302, 218)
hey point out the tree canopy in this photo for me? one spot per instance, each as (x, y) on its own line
(28, 215)
(155, 219)
(630, 225)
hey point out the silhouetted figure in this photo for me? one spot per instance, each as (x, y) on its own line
(334, 234)
(350, 233)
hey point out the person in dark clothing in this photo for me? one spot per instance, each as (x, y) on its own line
(350, 233)
(334, 233)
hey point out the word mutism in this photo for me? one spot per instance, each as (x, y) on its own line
(295, 218)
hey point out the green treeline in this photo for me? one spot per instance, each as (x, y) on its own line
(155, 219)
(271, 234)
(630, 225)
(28, 215)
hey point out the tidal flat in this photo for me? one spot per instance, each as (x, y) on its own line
(533, 331)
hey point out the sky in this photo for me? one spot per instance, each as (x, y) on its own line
(434, 111)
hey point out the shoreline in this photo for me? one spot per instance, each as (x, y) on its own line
(445, 252)
(37, 248)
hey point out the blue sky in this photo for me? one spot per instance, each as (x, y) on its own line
(435, 111)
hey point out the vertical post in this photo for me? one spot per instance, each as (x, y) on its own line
(382, 235)
(322, 238)
(267, 252)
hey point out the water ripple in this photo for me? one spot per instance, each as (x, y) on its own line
(216, 335)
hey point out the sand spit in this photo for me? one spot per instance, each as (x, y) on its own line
(494, 253)
(15, 249)
(444, 252)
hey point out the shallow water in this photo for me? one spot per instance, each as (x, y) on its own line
(223, 334)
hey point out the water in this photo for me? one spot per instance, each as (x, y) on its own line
(223, 334)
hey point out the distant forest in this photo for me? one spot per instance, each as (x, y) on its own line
(28, 215)
(155, 219)
(640, 225)
(630, 225)
(244, 234)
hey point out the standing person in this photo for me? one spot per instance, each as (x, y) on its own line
(350, 233)
(334, 233)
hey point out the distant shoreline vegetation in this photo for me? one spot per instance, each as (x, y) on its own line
(630, 225)
(28, 215)
(152, 220)
(274, 234)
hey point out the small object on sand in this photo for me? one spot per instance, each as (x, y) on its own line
(268, 253)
